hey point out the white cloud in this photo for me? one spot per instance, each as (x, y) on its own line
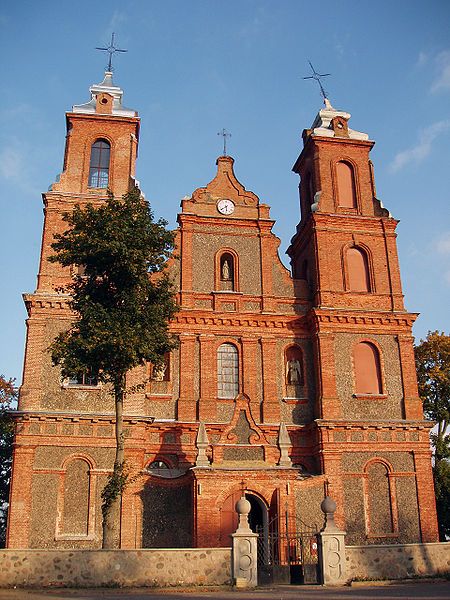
(17, 165)
(422, 148)
(442, 244)
(21, 110)
(116, 20)
(442, 81)
(422, 59)
(11, 163)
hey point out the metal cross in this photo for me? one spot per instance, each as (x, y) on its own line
(111, 49)
(316, 76)
(224, 133)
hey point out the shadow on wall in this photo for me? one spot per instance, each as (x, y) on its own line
(167, 511)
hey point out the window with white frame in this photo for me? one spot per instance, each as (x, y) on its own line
(227, 371)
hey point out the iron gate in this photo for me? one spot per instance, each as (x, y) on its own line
(287, 556)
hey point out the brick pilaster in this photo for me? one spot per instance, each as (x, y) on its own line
(425, 497)
(413, 404)
(271, 405)
(19, 515)
(187, 410)
(249, 370)
(208, 383)
(330, 407)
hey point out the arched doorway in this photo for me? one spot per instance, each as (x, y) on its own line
(258, 516)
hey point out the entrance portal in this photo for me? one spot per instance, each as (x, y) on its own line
(258, 516)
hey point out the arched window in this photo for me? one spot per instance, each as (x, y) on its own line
(366, 362)
(346, 185)
(227, 371)
(358, 278)
(75, 513)
(227, 272)
(99, 165)
(156, 465)
(379, 503)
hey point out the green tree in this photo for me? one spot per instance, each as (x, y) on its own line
(433, 375)
(8, 395)
(122, 302)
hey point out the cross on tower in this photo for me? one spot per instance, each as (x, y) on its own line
(224, 133)
(111, 49)
(316, 76)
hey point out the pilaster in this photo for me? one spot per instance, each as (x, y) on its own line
(271, 405)
(208, 393)
(187, 410)
(19, 515)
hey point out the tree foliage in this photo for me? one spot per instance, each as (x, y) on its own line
(433, 375)
(8, 394)
(122, 301)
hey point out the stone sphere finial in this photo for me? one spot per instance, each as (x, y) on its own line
(243, 506)
(328, 505)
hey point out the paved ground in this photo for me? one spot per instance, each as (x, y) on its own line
(430, 590)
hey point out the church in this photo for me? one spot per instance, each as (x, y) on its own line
(285, 386)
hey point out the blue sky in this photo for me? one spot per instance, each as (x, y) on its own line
(195, 66)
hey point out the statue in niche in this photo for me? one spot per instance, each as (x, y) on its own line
(226, 271)
(293, 372)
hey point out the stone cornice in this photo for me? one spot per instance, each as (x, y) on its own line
(392, 424)
(321, 317)
(42, 301)
(54, 417)
(262, 321)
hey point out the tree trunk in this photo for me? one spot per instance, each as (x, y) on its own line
(111, 516)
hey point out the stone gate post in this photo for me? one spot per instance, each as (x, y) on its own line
(244, 550)
(331, 547)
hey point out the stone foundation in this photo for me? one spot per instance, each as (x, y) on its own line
(397, 561)
(121, 568)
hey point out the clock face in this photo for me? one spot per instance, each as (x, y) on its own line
(225, 206)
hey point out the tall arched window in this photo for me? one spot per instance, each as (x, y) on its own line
(75, 512)
(380, 519)
(227, 272)
(99, 165)
(366, 362)
(346, 185)
(358, 278)
(227, 371)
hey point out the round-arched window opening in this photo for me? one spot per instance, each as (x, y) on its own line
(157, 464)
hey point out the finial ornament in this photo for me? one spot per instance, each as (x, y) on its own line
(224, 133)
(111, 49)
(316, 76)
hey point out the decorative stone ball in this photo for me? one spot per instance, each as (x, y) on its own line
(328, 505)
(243, 506)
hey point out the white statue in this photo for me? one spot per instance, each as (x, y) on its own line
(293, 372)
(226, 273)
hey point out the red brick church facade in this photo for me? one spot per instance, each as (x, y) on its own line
(288, 385)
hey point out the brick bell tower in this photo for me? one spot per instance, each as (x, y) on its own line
(100, 153)
(345, 247)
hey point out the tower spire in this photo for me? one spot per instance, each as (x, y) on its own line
(317, 76)
(224, 133)
(111, 49)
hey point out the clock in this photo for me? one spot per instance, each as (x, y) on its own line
(225, 206)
